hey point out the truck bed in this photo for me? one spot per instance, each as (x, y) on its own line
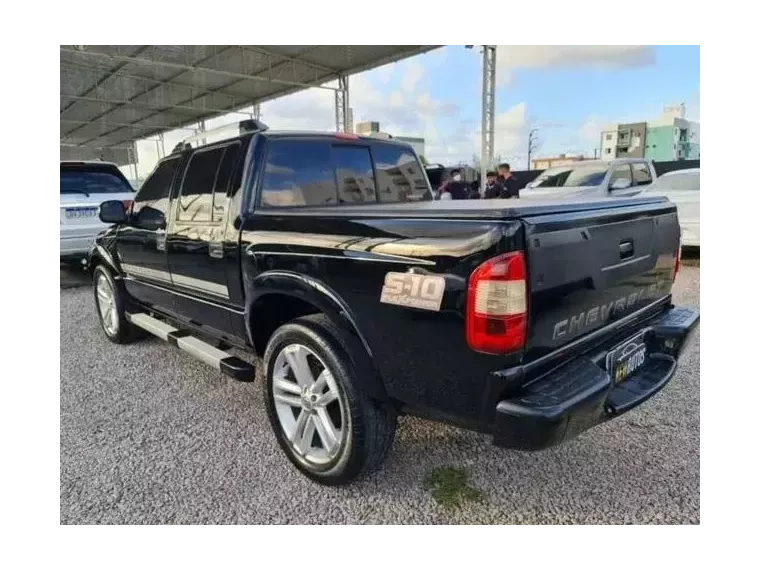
(475, 209)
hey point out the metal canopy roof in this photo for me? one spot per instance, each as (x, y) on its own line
(114, 95)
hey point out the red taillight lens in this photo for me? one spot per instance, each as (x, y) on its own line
(497, 305)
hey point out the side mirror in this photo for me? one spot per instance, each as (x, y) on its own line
(620, 184)
(150, 219)
(113, 212)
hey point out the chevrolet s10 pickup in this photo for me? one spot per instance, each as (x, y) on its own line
(531, 320)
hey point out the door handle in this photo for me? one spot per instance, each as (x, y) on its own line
(216, 250)
(626, 248)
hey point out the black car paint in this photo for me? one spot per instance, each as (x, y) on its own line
(333, 260)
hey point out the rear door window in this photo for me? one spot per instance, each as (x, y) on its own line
(195, 202)
(641, 174)
(298, 173)
(219, 201)
(400, 177)
(622, 172)
(353, 172)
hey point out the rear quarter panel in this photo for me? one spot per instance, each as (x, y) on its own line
(421, 355)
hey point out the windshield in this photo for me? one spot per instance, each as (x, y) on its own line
(571, 176)
(677, 182)
(92, 183)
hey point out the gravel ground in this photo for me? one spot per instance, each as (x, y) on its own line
(149, 435)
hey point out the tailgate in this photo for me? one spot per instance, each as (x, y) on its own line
(588, 269)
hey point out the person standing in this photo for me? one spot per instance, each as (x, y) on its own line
(493, 188)
(510, 188)
(455, 187)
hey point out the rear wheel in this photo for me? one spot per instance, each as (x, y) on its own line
(329, 429)
(109, 304)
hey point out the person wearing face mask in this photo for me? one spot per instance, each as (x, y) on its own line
(455, 187)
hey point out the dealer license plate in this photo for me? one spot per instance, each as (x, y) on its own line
(81, 212)
(626, 358)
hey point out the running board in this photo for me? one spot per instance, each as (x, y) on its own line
(184, 340)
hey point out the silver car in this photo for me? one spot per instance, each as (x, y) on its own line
(84, 186)
(618, 177)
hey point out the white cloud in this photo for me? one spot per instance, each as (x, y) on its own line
(515, 57)
(591, 129)
(412, 76)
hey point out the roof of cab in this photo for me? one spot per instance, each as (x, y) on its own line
(87, 163)
(343, 137)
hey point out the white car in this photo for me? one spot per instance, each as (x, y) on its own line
(84, 186)
(601, 178)
(682, 188)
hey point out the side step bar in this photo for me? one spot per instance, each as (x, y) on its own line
(222, 361)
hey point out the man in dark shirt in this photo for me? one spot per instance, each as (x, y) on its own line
(492, 186)
(458, 189)
(510, 188)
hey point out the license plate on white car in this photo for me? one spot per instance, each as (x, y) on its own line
(626, 358)
(81, 212)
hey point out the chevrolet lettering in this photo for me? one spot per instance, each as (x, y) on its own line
(324, 254)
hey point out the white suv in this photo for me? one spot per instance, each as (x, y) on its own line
(84, 186)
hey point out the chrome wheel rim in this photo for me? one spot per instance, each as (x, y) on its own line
(106, 305)
(309, 405)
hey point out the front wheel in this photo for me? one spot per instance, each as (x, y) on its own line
(110, 307)
(326, 425)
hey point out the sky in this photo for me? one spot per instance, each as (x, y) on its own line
(566, 92)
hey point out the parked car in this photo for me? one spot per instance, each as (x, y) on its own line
(682, 188)
(597, 178)
(84, 185)
(529, 321)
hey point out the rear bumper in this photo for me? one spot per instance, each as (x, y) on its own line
(581, 394)
(77, 245)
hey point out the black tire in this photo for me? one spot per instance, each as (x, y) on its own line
(124, 332)
(372, 425)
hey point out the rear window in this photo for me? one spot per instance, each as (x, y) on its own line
(86, 183)
(400, 177)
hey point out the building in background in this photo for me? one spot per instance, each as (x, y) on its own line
(670, 137)
(417, 143)
(372, 128)
(367, 127)
(561, 160)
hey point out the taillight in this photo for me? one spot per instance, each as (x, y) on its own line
(497, 305)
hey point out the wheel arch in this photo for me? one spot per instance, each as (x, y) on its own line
(278, 297)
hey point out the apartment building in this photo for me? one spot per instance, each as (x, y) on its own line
(670, 137)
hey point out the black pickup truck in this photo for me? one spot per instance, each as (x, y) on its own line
(529, 320)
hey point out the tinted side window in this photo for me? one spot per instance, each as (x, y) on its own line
(223, 181)
(298, 173)
(353, 171)
(621, 172)
(641, 174)
(400, 177)
(155, 190)
(198, 185)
